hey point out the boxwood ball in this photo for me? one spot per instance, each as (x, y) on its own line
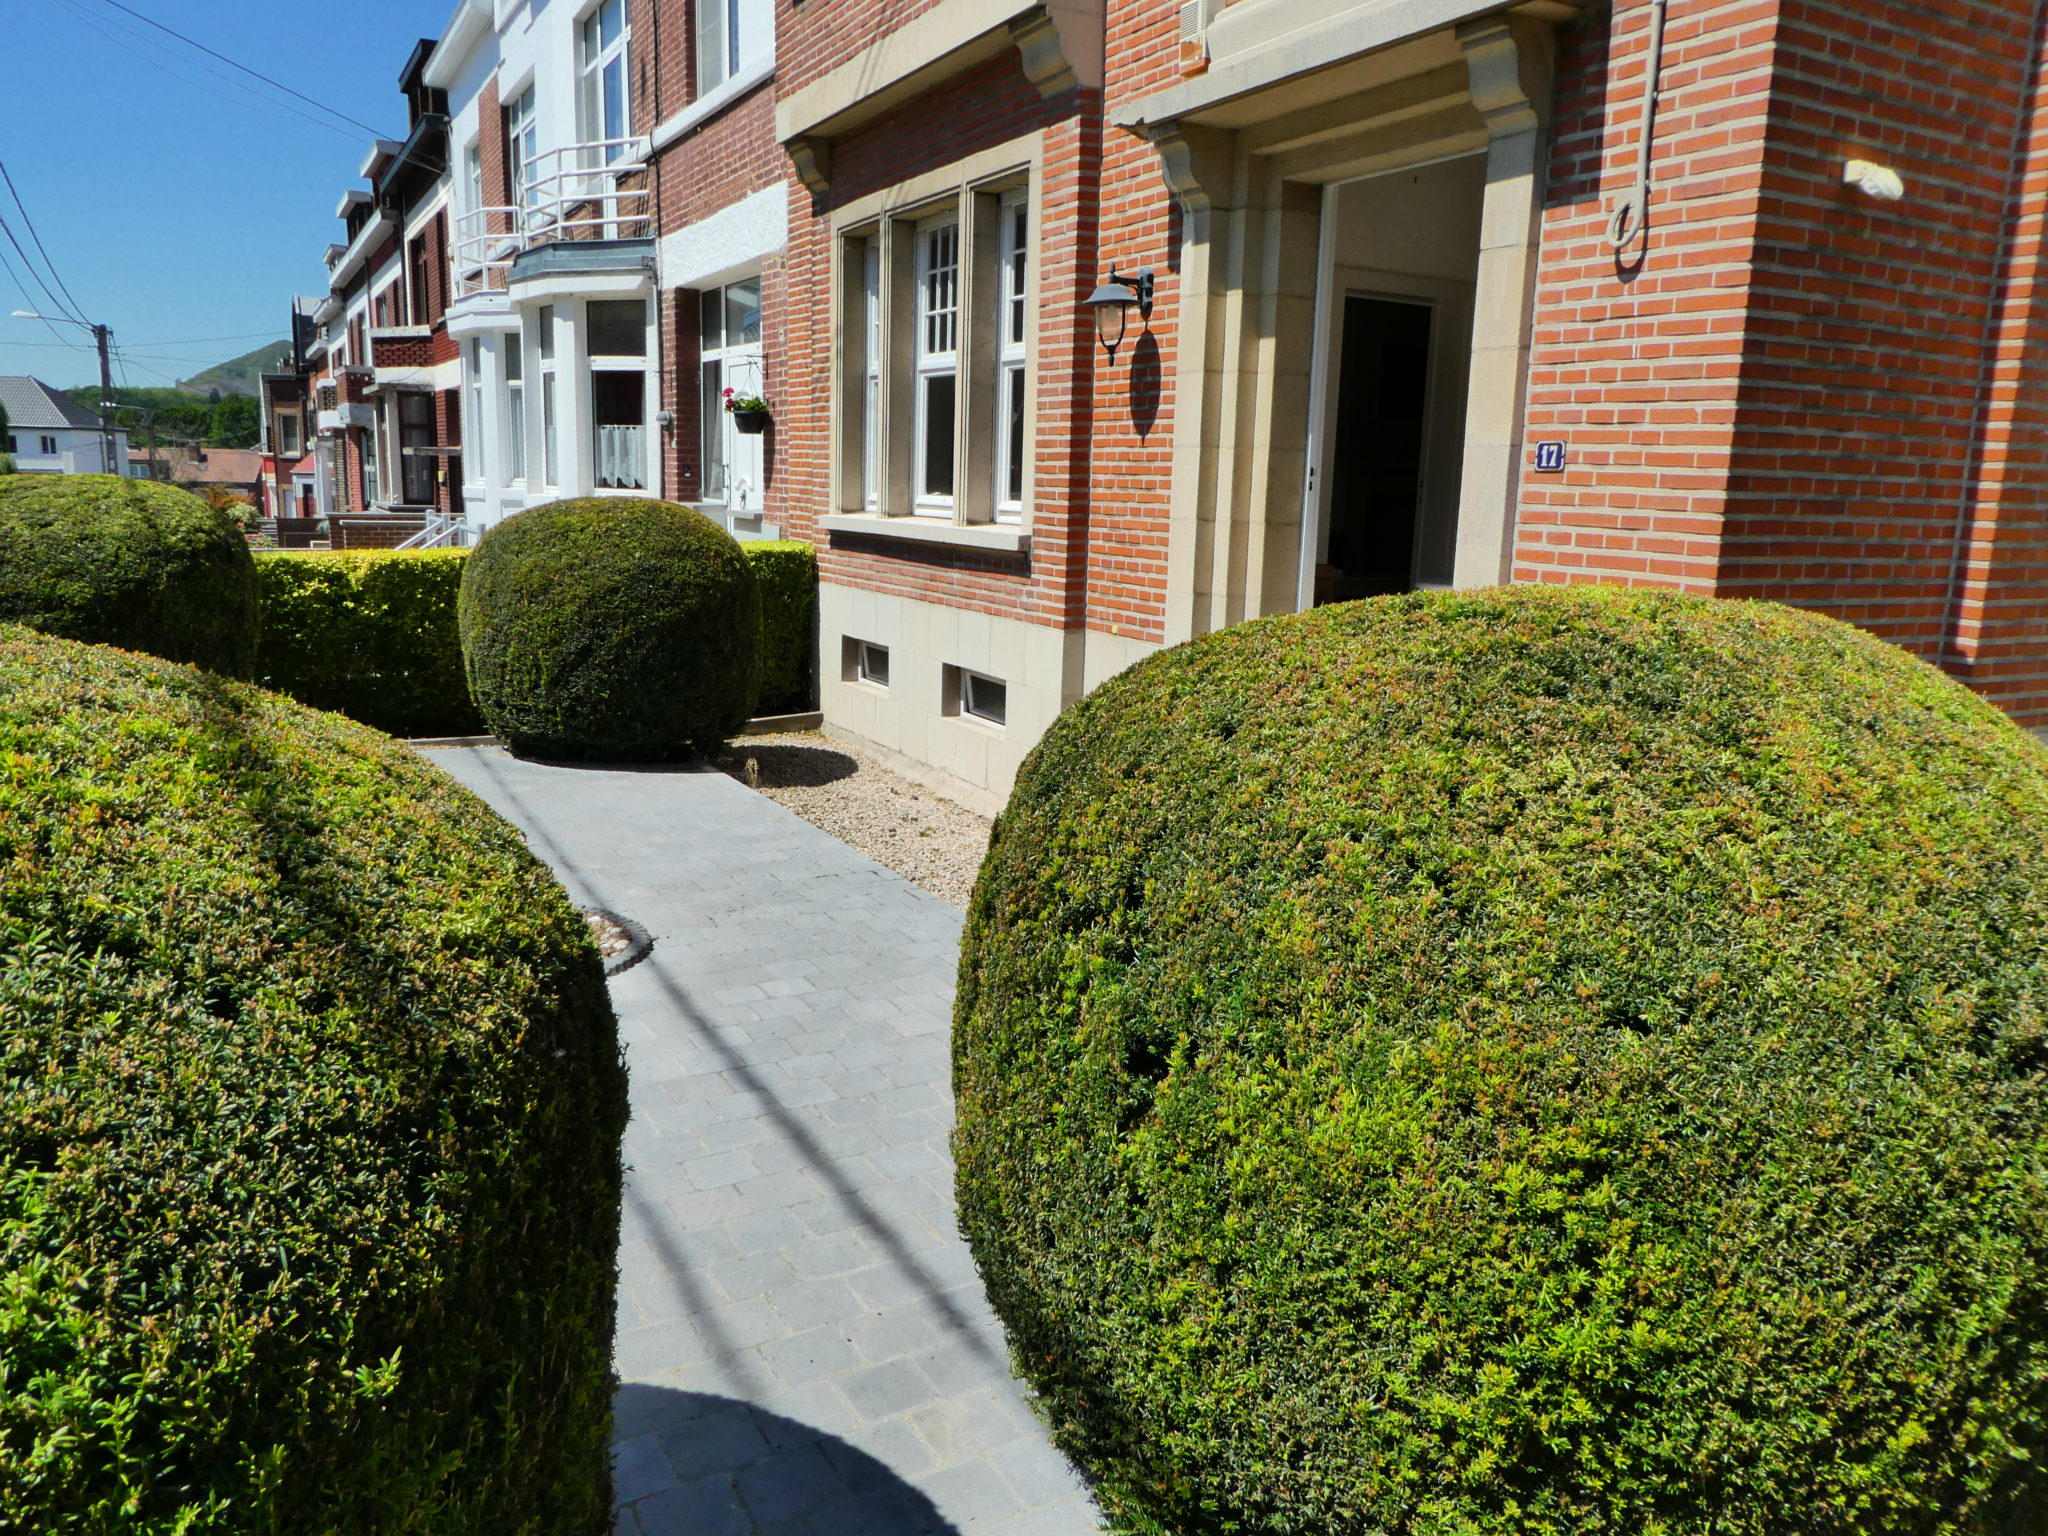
(132, 563)
(310, 1108)
(1553, 1062)
(614, 628)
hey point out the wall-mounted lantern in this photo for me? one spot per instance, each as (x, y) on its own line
(1113, 303)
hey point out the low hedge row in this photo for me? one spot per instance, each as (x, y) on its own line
(310, 1107)
(369, 634)
(786, 571)
(372, 634)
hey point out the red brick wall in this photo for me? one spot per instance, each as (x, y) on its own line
(1860, 436)
(1800, 395)
(1638, 367)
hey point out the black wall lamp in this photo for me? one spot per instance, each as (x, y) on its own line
(1113, 303)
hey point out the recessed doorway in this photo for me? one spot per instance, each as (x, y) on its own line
(1397, 281)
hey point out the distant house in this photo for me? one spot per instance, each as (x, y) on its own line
(240, 470)
(49, 433)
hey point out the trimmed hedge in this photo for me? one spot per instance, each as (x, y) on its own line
(611, 628)
(1542, 1062)
(787, 572)
(130, 563)
(369, 633)
(311, 1117)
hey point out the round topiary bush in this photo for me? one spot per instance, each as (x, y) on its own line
(1550, 1062)
(309, 1127)
(130, 563)
(617, 628)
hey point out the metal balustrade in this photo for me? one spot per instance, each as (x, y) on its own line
(577, 192)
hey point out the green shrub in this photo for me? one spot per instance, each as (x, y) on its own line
(6, 464)
(787, 572)
(129, 563)
(1536, 1062)
(369, 633)
(611, 628)
(311, 1117)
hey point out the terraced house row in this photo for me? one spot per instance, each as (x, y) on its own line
(1087, 326)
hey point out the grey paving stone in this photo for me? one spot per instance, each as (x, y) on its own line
(806, 1346)
(639, 1468)
(882, 1391)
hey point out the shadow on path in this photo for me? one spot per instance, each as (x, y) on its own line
(691, 1464)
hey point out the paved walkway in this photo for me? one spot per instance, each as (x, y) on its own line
(803, 1342)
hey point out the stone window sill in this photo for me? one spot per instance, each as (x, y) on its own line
(1001, 538)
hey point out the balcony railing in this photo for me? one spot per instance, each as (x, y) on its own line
(577, 192)
(621, 459)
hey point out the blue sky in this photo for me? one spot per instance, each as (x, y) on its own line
(179, 207)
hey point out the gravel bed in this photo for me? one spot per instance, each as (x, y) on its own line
(928, 840)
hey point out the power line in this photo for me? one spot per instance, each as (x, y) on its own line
(244, 97)
(55, 303)
(27, 297)
(245, 69)
(30, 225)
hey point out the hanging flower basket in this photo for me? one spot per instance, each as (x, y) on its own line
(749, 412)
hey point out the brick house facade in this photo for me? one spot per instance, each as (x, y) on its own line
(1411, 321)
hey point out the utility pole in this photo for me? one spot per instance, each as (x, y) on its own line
(104, 334)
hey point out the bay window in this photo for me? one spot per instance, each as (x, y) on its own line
(936, 313)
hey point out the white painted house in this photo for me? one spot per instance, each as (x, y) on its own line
(49, 433)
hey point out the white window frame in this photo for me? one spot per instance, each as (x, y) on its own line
(598, 363)
(936, 357)
(550, 403)
(476, 469)
(512, 370)
(964, 682)
(734, 362)
(732, 37)
(473, 175)
(604, 76)
(1013, 356)
(871, 375)
(522, 149)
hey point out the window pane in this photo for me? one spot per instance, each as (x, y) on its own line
(618, 328)
(515, 357)
(711, 319)
(515, 431)
(743, 312)
(547, 333)
(987, 698)
(550, 460)
(874, 664)
(938, 434)
(1013, 490)
(589, 36)
(711, 404)
(940, 291)
(712, 64)
(612, 20)
(615, 99)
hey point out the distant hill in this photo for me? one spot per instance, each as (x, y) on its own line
(241, 375)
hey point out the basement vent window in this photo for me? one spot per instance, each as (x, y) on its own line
(983, 698)
(874, 664)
